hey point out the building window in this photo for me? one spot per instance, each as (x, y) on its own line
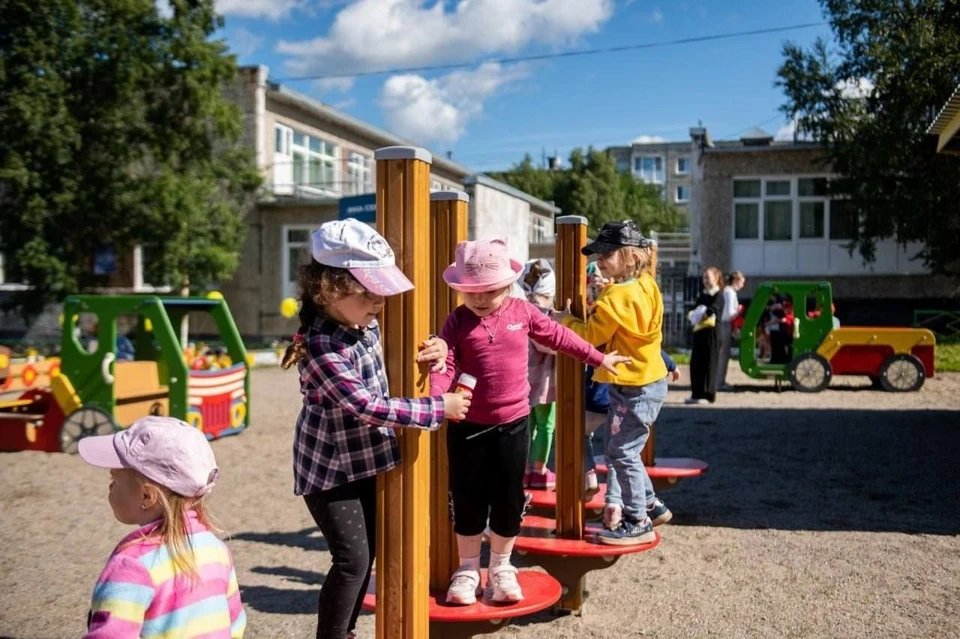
(623, 165)
(746, 221)
(683, 194)
(437, 185)
(649, 168)
(304, 162)
(296, 250)
(359, 174)
(844, 223)
(541, 231)
(683, 166)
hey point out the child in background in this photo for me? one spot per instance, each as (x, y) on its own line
(628, 316)
(344, 435)
(488, 454)
(172, 576)
(540, 285)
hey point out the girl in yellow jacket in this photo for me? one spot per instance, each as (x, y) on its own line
(628, 318)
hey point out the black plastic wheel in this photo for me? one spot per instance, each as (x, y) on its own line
(810, 373)
(902, 374)
(81, 423)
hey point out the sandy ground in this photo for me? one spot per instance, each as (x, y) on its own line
(831, 515)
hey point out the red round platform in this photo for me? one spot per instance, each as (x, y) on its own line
(540, 591)
(538, 536)
(548, 499)
(670, 468)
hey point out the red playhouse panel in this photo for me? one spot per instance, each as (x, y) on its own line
(31, 422)
(540, 591)
(214, 397)
(538, 536)
(926, 355)
(860, 359)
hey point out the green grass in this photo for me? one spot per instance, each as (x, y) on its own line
(681, 359)
(948, 358)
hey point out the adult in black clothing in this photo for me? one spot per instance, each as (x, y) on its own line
(706, 339)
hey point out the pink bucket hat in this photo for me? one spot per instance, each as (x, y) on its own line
(482, 266)
(162, 449)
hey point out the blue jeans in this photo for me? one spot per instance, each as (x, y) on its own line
(632, 410)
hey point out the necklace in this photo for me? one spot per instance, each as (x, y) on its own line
(483, 323)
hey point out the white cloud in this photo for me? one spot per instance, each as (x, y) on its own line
(383, 34)
(647, 139)
(854, 88)
(786, 131)
(657, 16)
(438, 110)
(244, 42)
(271, 9)
(333, 84)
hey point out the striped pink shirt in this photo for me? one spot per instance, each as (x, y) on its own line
(139, 594)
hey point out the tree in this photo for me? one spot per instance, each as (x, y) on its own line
(594, 188)
(116, 132)
(869, 99)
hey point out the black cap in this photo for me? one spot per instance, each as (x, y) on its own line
(615, 235)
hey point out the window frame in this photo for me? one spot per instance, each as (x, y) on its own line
(676, 193)
(289, 288)
(639, 173)
(678, 170)
(359, 174)
(303, 183)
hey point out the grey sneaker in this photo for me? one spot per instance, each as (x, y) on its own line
(629, 533)
(464, 587)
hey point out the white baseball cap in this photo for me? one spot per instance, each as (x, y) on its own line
(163, 449)
(357, 247)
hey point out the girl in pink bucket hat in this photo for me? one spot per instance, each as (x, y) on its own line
(172, 573)
(487, 337)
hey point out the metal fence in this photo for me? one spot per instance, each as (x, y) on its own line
(680, 291)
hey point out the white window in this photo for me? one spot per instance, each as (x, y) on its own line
(282, 160)
(541, 231)
(683, 166)
(296, 251)
(437, 185)
(359, 174)
(682, 194)
(315, 164)
(649, 168)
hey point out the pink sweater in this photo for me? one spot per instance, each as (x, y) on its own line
(503, 390)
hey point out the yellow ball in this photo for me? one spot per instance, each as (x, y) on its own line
(251, 360)
(214, 295)
(61, 319)
(289, 307)
(4, 360)
(148, 325)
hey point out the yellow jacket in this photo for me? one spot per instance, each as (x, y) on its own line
(628, 318)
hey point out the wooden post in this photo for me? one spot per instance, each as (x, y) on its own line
(403, 506)
(448, 225)
(571, 270)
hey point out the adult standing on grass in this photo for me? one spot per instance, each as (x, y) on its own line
(731, 309)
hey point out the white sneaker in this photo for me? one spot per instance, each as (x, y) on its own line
(612, 515)
(464, 586)
(502, 584)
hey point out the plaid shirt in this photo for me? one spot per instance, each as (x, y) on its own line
(344, 432)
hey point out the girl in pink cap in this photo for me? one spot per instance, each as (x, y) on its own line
(487, 338)
(171, 577)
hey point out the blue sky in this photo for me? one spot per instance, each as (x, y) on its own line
(489, 115)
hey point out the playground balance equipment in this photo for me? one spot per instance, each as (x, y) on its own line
(895, 359)
(414, 569)
(83, 393)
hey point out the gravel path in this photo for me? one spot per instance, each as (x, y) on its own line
(829, 515)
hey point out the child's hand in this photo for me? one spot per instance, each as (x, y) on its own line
(434, 349)
(559, 315)
(456, 405)
(611, 359)
(675, 374)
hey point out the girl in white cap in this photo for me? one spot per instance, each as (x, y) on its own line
(487, 338)
(540, 285)
(171, 577)
(345, 432)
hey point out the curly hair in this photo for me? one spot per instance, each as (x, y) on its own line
(320, 286)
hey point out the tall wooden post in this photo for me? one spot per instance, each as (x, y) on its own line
(403, 507)
(571, 270)
(448, 225)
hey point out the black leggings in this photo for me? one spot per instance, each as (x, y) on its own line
(486, 476)
(346, 516)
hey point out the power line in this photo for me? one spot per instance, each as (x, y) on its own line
(565, 54)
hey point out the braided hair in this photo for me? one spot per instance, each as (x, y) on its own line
(320, 286)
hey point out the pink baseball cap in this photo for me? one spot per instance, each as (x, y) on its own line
(162, 449)
(357, 247)
(482, 266)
